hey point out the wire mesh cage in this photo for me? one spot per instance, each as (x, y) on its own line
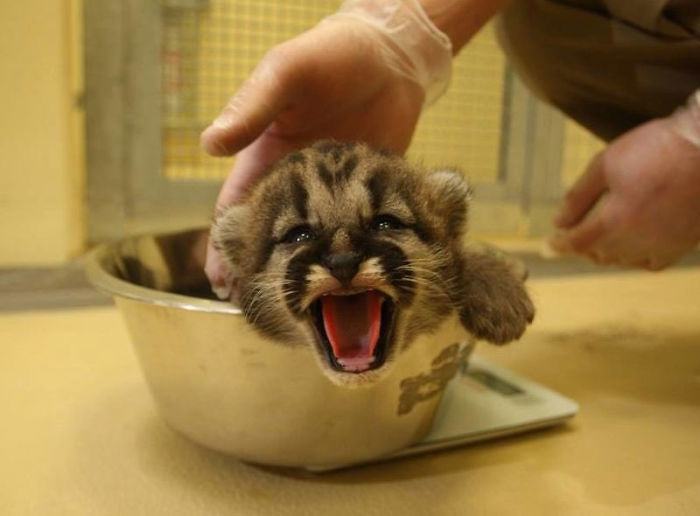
(209, 47)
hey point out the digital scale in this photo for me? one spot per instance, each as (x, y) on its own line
(485, 401)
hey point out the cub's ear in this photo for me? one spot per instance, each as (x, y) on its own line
(449, 195)
(228, 236)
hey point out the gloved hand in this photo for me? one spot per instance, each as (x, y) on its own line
(364, 73)
(638, 203)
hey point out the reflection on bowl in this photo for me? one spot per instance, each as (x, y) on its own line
(218, 382)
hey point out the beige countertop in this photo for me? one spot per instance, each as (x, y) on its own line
(80, 434)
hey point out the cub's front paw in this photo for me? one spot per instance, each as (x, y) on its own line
(495, 305)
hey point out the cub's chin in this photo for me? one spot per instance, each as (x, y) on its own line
(354, 334)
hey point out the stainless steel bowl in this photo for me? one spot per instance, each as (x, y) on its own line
(218, 382)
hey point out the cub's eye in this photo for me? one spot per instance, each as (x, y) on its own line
(386, 223)
(297, 234)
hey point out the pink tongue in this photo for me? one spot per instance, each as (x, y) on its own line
(352, 324)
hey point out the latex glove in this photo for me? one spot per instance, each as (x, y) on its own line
(638, 203)
(361, 74)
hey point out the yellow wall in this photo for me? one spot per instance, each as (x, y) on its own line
(41, 156)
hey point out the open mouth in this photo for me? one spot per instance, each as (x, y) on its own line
(354, 331)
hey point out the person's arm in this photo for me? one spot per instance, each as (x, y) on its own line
(460, 20)
(276, 81)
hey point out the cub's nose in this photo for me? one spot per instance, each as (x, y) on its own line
(343, 266)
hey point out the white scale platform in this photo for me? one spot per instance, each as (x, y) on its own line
(484, 402)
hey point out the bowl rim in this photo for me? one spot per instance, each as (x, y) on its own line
(103, 280)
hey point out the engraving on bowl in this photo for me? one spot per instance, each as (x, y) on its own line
(424, 386)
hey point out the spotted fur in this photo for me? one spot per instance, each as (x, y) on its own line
(337, 213)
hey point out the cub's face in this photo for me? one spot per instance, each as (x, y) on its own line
(351, 251)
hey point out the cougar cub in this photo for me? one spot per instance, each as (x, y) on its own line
(355, 252)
